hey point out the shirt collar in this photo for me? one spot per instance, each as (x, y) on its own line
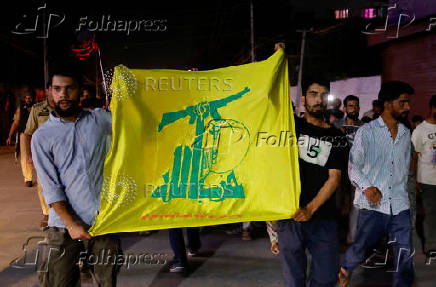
(55, 117)
(381, 123)
(401, 128)
(343, 122)
(46, 105)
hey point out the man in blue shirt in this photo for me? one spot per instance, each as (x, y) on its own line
(69, 152)
(379, 165)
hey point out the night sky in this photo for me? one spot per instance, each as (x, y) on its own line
(185, 34)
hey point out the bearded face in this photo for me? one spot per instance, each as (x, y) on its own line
(67, 108)
(315, 100)
(399, 107)
(65, 92)
(352, 109)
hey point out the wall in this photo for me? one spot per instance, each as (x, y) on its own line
(413, 60)
(366, 88)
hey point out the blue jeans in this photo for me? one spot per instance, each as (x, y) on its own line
(371, 226)
(177, 243)
(320, 237)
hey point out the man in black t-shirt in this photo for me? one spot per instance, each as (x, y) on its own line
(313, 226)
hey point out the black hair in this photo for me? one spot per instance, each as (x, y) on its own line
(377, 103)
(312, 80)
(366, 119)
(336, 113)
(92, 103)
(66, 68)
(350, 98)
(433, 101)
(90, 89)
(417, 118)
(49, 81)
(392, 90)
(406, 123)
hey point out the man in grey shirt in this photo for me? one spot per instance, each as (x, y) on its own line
(349, 126)
(68, 153)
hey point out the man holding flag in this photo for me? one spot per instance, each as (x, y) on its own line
(313, 225)
(68, 152)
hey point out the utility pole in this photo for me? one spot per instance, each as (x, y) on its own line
(300, 71)
(252, 30)
(44, 45)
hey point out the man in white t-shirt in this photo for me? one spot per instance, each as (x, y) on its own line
(424, 140)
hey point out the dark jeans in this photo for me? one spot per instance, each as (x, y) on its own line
(320, 237)
(177, 243)
(429, 202)
(63, 254)
(371, 226)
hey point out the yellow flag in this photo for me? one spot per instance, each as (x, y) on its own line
(195, 148)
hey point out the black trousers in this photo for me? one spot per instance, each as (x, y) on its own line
(177, 243)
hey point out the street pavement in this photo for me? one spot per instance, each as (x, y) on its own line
(225, 259)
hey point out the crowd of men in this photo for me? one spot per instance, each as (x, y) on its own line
(373, 164)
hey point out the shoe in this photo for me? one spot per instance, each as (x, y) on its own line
(246, 235)
(234, 231)
(28, 183)
(147, 233)
(177, 269)
(374, 261)
(193, 253)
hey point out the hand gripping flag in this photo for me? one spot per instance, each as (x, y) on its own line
(196, 148)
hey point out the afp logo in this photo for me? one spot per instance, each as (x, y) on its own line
(39, 24)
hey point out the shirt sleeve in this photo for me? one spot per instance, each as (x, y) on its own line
(417, 140)
(357, 159)
(17, 116)
(271, 228)
(408, 152)
(52, 189)
(31, 124)
(105, 117)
